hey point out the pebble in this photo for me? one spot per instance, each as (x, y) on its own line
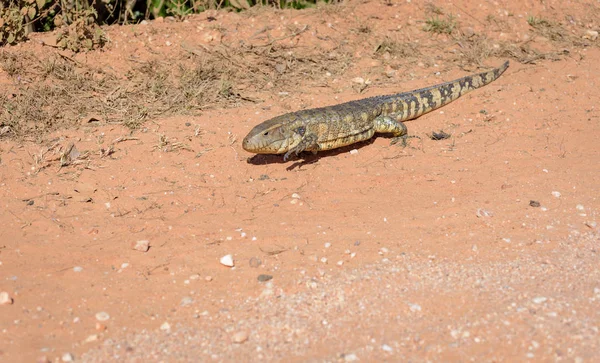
(239, 337)
(166, 327)
(580, 207)
(208, 278)
(540, 299)
(387, 348)
(296, 196)
(141, 245)
(556, 194)
(186, 301)
(67, 357)
(91, 338)
(327, 245)
(414, 307)
(102, 316)
(350, 357)
(194, 277)
(227, 260)
(77, 269)
(264, 277)
(353, 152)
(255, 262)
(5, 298)
(591, 34)
(484, 213)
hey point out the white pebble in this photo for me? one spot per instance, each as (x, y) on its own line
(556, 194)
(539, 299)
(296, 196)
(414, 307)
(124, 265)
(141, 245)
(102, 316)
(239, 337)
(387, 348)
(67, 357)
(324, 259)
(340, 263)
(91, 338)
(227, 260)
(77, 269)
(327, 245)
(166, 327)
(580, 207)
(353, 152)
(186, 301)
(5, 299)
(350, 358)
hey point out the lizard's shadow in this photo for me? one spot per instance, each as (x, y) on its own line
(306, 158)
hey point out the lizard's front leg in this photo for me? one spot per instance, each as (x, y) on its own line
(308, 142)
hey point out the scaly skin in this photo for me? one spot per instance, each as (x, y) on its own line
(335, 126)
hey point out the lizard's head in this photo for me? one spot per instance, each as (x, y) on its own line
(274, 136)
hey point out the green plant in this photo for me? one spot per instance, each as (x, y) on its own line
(437, 25)
(83, 33)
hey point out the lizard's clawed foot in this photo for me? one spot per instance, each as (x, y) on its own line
(403, 139)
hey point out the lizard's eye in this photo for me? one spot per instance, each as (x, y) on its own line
(266, 133)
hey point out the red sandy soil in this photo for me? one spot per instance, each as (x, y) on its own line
(428, 253)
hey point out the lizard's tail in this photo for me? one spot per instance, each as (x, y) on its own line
(418, 102)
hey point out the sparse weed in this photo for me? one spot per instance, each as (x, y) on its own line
(437, 25)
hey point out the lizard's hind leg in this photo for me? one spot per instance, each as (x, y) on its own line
(388, 124)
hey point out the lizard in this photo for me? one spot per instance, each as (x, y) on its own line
(335, 126)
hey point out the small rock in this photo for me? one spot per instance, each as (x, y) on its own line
(67, 357)
(208, 278)
(102, 316)
(414, 307)
(556, 194)
(255, 262)
(77, 269)
(481, 213)
(141, 245)
(227, 260)
(358, 80)
(186, 301)
(580, 207)
(264, 278)
(534, 203)
(5, 298)
(42, 359)
(296, 196)
(540, 299)
(387, 348)
(194, 277)
(591, 34)
(350, 357)
(100, 327)
(91, 338)
(353, 152)
(166, 327)
(239, 337)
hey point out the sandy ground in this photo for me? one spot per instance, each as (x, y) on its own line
(480, 247)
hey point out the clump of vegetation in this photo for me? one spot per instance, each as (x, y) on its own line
(82, 34)
(397, 49)
(439, 25)
(12, 22)
(546, 28)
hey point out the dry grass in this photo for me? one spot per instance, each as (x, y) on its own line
(58, 92)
